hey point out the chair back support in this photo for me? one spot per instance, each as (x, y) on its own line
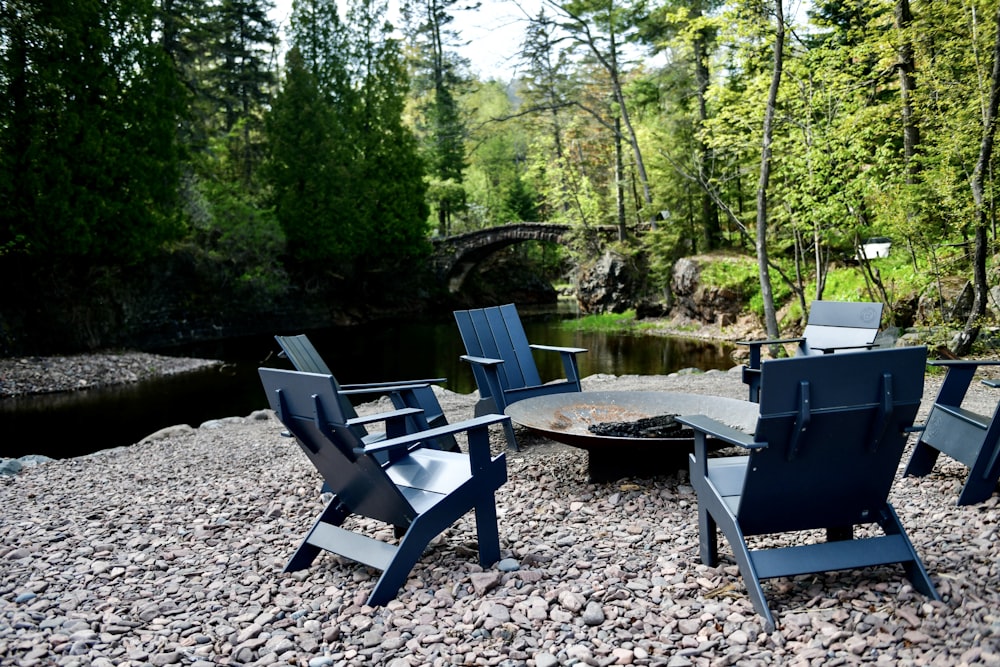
(307, 404)
(834, 428)
(303, 354)
(496, 332)
(843, 324)
(304, 357)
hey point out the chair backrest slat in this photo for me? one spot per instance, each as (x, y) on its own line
(470, 339)
(307, 405)
(303, 354)
(494, 346)
(845, 461)
(521, 346)
(841, 324)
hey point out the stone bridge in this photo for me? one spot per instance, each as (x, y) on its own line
(455, 256)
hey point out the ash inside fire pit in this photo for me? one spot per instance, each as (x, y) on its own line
(661, 426)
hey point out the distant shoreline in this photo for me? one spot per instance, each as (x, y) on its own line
(26, 376)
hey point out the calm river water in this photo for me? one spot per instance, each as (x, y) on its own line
(77, 423)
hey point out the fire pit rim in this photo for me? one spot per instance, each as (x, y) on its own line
(537, 414)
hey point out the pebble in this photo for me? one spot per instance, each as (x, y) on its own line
(171, 551)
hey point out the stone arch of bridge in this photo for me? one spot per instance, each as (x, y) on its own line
(455, 256)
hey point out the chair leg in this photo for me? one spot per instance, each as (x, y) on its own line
(914, 568)
(976, 489)
(921, 461)
(708, 539)
(487, 531)
(334, 515)
(508, 429)
(488, 406)
(410, 548)
(985, 470)
(744, 561)
(839, 533)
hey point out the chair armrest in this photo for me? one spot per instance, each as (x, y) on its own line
(395, 421)
(755, 345)
(383, 416)
(719, 431)
(991, 383)
(554, 348)
(705, 426)
(958, 378)
(774, 341)
(391, 385)
(570, 367)
(947, 363)
(834, 348)
(410, 439)
(482, 361)
(361, 390)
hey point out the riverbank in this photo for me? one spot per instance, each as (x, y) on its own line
(169, 552)
(22, 376)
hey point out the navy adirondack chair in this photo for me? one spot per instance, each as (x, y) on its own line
(967, 437)
(303, 355)
(833, 326)
(502, 360)
(420, 491)
(827, 444)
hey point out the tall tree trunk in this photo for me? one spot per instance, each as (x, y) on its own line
(609, 61)
(619, 179)
(710, 228)
(980, 290)
(907, 85)
(640, 164)
(770, 317)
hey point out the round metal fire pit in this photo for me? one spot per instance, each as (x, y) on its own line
(565, 418)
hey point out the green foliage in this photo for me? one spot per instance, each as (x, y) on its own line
(345, 175)
(308, 172)
(88, 159)
(242, 238)
(390, 195)
(730, 272)
(237, 85)
(617, 323)
(441, 127)
(495, 182)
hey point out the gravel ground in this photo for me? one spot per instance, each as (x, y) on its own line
(170, 552)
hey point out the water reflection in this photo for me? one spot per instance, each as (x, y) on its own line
(72, 424)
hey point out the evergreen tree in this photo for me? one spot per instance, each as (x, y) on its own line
(88, 106)
(182, 28)
(346, 178)
(494, 179)
(312, 133)
(391, 191)
(306, 178)
(239, 78)
(687, 33)
(438, 80)
(547, 89)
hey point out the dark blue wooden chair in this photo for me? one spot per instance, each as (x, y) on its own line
(827, 444)
(970, 438)
(302, 354)
(833, 326)
(420, 491)
(502, 359)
